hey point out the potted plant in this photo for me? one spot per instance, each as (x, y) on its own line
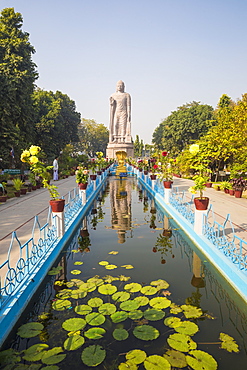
(154, 168)
(38, 168)
(200, 179)
(217, 187)
(17, 183)
(93, 165)
(239, 185)
(166, 167)
(84, 243)
(32, 180)
(3, 193)
(81, 177)
(226, 186)
(100, 162)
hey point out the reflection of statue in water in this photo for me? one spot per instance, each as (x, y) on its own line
(120, 115)
(121, 168)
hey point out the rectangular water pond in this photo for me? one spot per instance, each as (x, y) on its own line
(130, 292)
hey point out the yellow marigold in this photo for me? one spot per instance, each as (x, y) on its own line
(25, 155)
(194, 149)
(33, 159)
(34, 149)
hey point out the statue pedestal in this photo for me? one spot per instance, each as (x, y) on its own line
(112, 148)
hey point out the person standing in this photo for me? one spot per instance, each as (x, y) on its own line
(55, 169)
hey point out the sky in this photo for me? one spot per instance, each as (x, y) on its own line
(167, 52)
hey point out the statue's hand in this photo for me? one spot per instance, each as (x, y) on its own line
(111, 100)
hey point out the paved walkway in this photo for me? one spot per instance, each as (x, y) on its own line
(18, 213)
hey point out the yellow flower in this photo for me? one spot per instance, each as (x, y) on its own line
(34, 149)
(194, 149)
(33, 159)
(25, 155)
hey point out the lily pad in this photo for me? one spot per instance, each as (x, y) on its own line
(35, 352)
(146, 332)
(128, 267)
(149, 290)
(53, 356)
(107, 289)
(74, 324)
(129, 305)
(50, 367)
(78, 263)
(124, 278)
(200, 360)
(109, 279)
(181, 342)
(160, 302)
(74, 342)
(107, 309)
(175, 309)
(121, 296)
(176, 358)
(136, 356)
(55, 270)
(30, 330)
(76, 294)
(111, 267)
(61, 304)
(75, 272)
(9, 356)
(228, 343)
(119, 316)
(187, 327)
(153, 315)
(135, 315)
(160, 284)
(142, 300)
(95, 333)
(64, 294)
(191, 312)
(83, 309)
(133, 287)
(156, 362)
(103, 263)
(120, 334)
(93, 355)
(95, 302)
(172, 322)
(128, 365)
(95, 280)
(88, 287)
(113, 252)
(95, 319)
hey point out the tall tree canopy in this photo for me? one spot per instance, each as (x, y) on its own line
(185, 125)
(93, 137)
(17, 77)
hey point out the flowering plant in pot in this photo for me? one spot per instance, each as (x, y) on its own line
(93, 166)
(166, 168)
(81, 176)
(201, 178)
(226, 186)
(38, 168)
(239, 185)
(100, 160)
(154, 168)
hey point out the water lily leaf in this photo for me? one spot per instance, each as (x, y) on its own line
(107, 309)
(107, 289)
(87, 287)
(113, 252)
(72, 333)
(111, 267)
(74, 342)
(128, 365)
(160, 302)
(228, 343)
(95, 280)
(74, 282)
(160, 284)
(201, 360)
(50, 367)
(64, 293)
(78, 263)
(76, 294)
(95, 318)
(109, 279)
(129, 305)
(30, 330)
(174, 309)
(146, 332)
(61, 304)
(121, 296)
(55, 270)
(181, 342)
(103, 263)
(152, 314)
(136, 356)
(9, 356)
(156, 362)
(191, 312)
(52, 356)
(142, 300)
(83, 309)
(149, 290)
(95, 302)
(124, 278)
(75, 272)
(172, 322)
(35, 352)
(95, 333)
(74, 324)
(120, 334)
(135, 315)
(187, 327)
(93, 355)
(119, 316)
(25, 367)
(133, 287)
(176, 358)
(75, 250)
(128, 267)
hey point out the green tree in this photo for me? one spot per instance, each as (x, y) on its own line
(17, 77)
(93, 137)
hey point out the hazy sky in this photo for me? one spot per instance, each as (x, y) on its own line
(168, 53)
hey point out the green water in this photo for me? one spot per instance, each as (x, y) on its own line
(126, 221)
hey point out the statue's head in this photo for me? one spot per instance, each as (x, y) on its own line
(120, 86)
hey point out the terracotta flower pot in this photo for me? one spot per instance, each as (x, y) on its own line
(226, 191)
(34, 187)
(238, 193)
(84, 232)
(231, 191)
(3, 198)
(145, 172)
(167, 184)
(140, 169)
(83, 186)
(208, 184)
(23, 191)
(99, 172)
(57, 205)
(153, 177)
(17, 193)
(167, 232)
(93, 177)
(201, 204)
